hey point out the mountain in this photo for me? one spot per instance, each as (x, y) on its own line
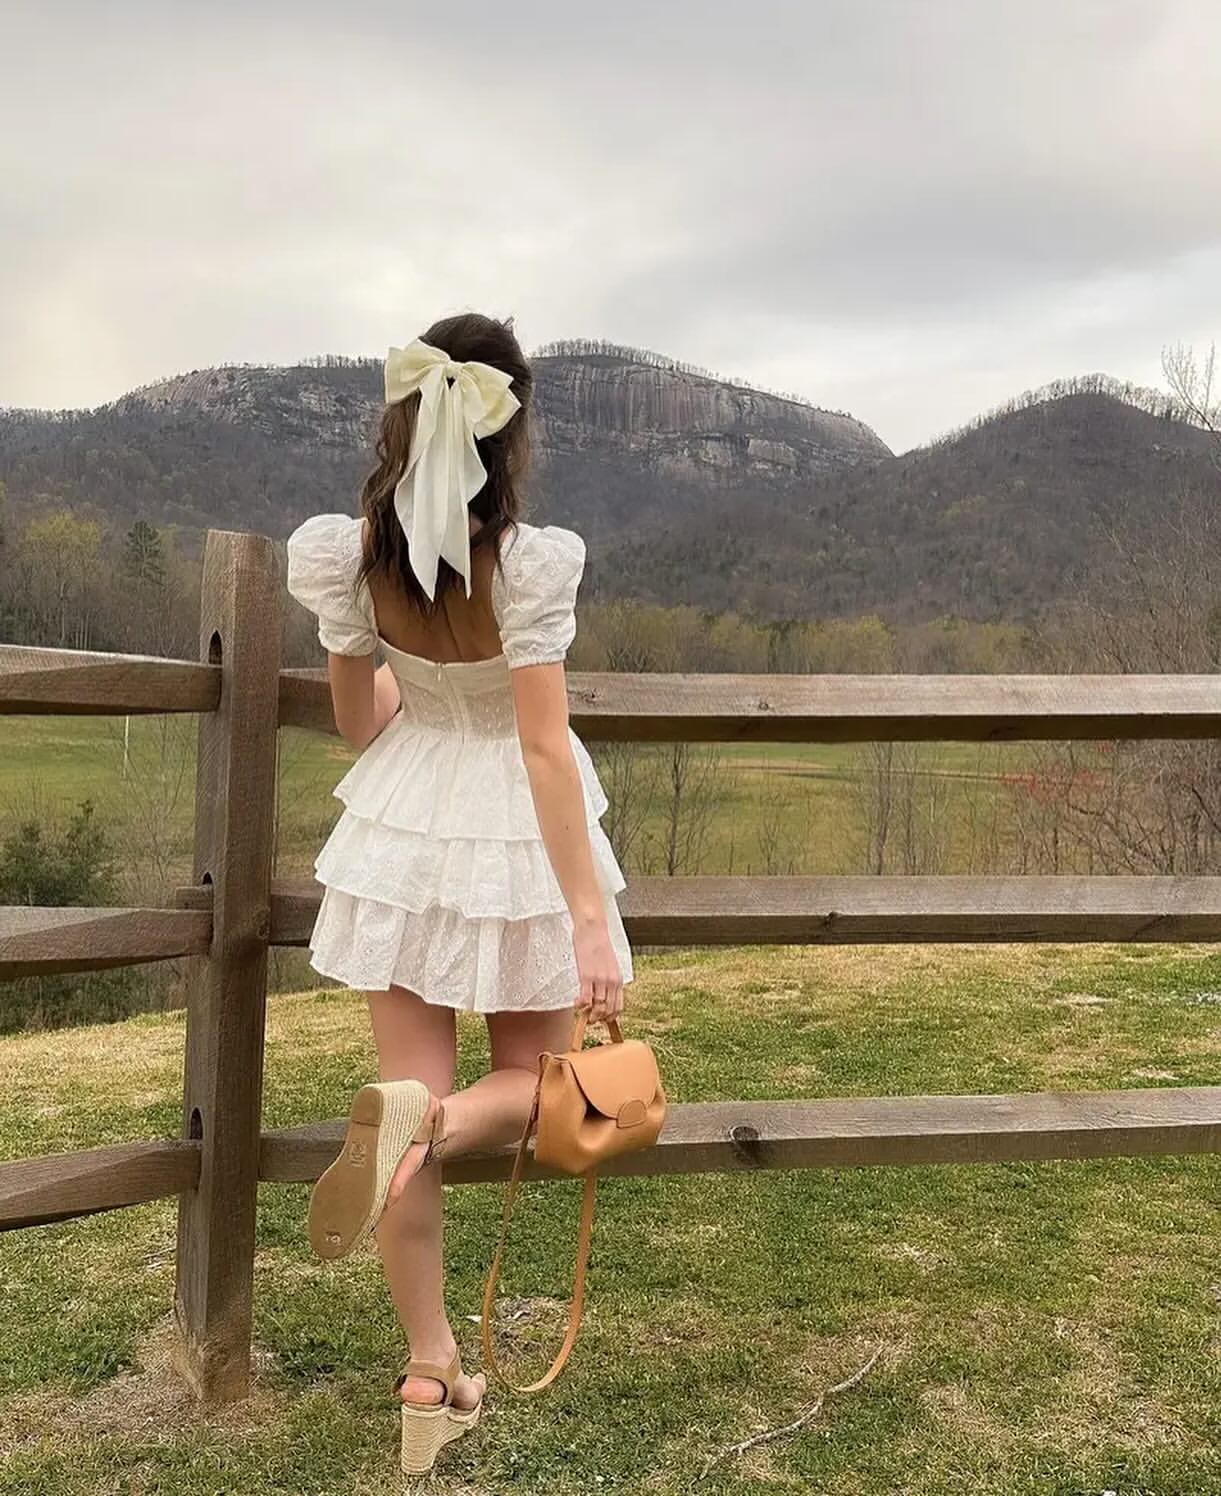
(999, 519)
(688, 488)
(588, 397)
(259, 447)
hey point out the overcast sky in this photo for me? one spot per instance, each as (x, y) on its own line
(909, 209)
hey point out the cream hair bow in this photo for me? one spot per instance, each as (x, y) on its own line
(459, 402)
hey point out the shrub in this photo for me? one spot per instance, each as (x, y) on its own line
(72, 864)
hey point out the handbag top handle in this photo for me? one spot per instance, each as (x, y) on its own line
(582, 1021)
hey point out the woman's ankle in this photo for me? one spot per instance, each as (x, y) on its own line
(437, 1353)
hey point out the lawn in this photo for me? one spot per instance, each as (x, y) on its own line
(777, 808)
(1045, 1330)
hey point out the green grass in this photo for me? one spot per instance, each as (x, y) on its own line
(802, 801)
(1047, 1330)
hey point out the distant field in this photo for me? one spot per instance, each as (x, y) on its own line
(778, 807)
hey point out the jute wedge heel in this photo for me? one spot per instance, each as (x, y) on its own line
(429, 1427)
(350, 1196)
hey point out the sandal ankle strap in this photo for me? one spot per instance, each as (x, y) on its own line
(433, 1371)
(433, 1133)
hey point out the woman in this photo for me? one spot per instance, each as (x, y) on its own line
(468, 869)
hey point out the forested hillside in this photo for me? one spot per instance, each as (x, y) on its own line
(689, 489)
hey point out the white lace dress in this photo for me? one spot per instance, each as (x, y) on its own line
(436, 877)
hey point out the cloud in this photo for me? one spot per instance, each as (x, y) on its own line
(907, 210)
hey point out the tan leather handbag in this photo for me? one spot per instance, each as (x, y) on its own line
(590, 1105)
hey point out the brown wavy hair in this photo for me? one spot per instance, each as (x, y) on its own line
(505, 454)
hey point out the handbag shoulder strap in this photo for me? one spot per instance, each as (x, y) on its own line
(585, 1235)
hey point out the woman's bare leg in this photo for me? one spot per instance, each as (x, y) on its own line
(487, 1114)
(493, 1111)
(418, 1040)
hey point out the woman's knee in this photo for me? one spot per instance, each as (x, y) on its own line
(511, 1067)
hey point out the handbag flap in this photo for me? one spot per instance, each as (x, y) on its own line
(612, 1075)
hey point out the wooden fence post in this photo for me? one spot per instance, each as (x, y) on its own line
(222, 1093)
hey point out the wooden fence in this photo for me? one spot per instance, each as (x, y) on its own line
(233, 912)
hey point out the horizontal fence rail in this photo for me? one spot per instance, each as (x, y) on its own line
(894, 708)
(663, 911)
(717, 1136)
(659, 708)
(73, 682)
(39, 942)
(698, 1138)
(693, 708)
(35, 1191)
(865, 910)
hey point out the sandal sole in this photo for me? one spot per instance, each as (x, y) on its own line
(350, 1195)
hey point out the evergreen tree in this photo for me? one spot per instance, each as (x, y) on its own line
(144, 555)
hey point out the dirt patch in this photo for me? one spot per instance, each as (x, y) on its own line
(1080, 1000)
(679, 1323)
(779, 1395)
(150, 1401)
(1100, 1398)
(803, 1076)
(434, 1485)
(524, 1329)
(958, 1411)
(905, 1251)
(1066, 1061)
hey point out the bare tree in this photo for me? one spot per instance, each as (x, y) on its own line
(902, 799)
(1192, 382)
(150, 803)
(630, 775)
(873, 783)
(693, 787)
(782, 829)
(1151, 604)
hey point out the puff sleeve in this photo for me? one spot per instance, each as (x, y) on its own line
(323, 556)
(535, 601)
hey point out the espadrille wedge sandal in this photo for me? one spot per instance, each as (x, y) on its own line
(350, 1196)
(428, 1427)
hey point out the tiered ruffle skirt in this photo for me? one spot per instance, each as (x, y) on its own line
(436, 877)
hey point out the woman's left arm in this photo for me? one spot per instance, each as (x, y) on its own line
(364, 698)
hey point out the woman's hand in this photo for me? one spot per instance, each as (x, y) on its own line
(598, 968)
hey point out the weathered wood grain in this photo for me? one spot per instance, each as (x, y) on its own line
(74, 682)
(38, 942)
(846, 1133)
(62, 1185)
(697, 1138)
(651, 708)
(893, 708)
(865, 910)
(234, 815)
(305, 700)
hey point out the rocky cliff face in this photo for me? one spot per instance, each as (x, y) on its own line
(685, 422)
(328, 406)
(674, 420)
